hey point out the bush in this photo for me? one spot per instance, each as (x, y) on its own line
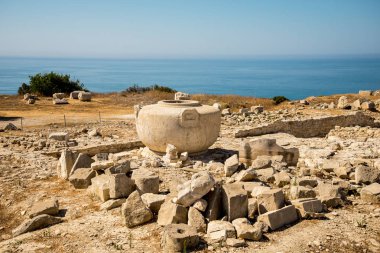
(139, 89)
(279, 99)
(50, 83)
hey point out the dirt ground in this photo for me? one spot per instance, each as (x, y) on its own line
(28, 176)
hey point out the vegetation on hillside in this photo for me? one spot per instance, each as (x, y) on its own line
(279, 99)
(140, 89)
(50, 83)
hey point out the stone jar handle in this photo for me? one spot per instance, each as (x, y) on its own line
(189, 117)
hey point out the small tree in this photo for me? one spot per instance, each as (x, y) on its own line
(279, 99)
(50, 83)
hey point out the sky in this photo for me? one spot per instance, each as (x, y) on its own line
(188, 29)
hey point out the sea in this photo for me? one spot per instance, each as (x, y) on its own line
(294, 78)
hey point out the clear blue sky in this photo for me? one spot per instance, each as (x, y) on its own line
(182, 29)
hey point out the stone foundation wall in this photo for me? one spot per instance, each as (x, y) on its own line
(308, 128)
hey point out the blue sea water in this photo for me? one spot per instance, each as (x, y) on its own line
(265, 77)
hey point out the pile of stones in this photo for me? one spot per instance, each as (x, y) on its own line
(259, 188)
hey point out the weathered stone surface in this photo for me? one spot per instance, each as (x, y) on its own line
(59, 95)
(371, 193)
(112, 203)
(199, 185)
(270, 200)
(266, 175)
(282, 178)
(153, 201)
(38, 222)
(100, 187)
(134, 211)
(65, 164)
(343, 103)
(249, 151)
(178, 236)
(57, 101)
(327, 190)
(304, 181)
(101, 165)
(279, 218)
(84, 96)
(81, 178)
(220, 230)
(261, 162)
(245, 230)
(236, 243)
(231, 165)
(146, 181)
(246, 175)
(297, 192)
(120, 186)
(252, 208)
(214, 203)
(50, 207)
(368, 105)
(331, 201)
(235, 201)
(365, 92)
(82, 161)
(366, 175)
(123, 167)
(171, 213)
(74, 94)
(257, 109)
(200, 205)
(307, 205)
(226, 111)
(196, 220)
(254, 188)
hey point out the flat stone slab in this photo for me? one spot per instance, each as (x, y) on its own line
(279, 218)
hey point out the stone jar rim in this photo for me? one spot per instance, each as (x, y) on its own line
(179, 103)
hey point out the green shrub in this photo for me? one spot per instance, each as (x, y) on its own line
(50, 83)
(279, 99)
(139, 89)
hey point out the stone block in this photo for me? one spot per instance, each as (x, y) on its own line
(307, 205)
(101, 165)
(297, 192)
(178, 236)
(146, 181)
(38, 222)
(246, 175)
(270, 200)
(366, 175)
(199, 185)
(279, 218)
(65, 164)
(235, 201)
(82, 161)
(112, 203)
(153, 201)
(253, 208)
(120, 186)
(196, 220)
(220, 230)
(245, 230)
(100, 187)
(200, 205)
(231, 165)
(171, 213)
(81, 178)
(249, 151)
(50, 207)
(134, 211)
(371, 193)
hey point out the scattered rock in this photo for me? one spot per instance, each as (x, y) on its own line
(50, 207)
(38, 222)
(177, 237)
(134, 211)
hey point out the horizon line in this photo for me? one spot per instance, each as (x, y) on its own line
(237, 57)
